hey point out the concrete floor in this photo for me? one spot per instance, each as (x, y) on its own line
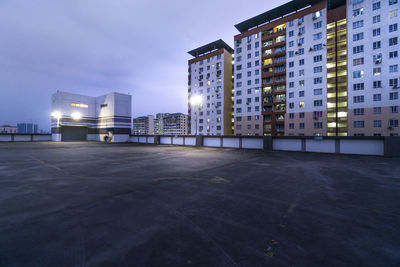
(92, 204)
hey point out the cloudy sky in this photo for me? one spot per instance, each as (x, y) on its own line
(98, 46)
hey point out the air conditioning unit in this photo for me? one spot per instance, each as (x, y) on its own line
(299, 44)
(311, 49)
(314, 18)
(390, 128)
(300, 34)
(296, 52)
(377, 61)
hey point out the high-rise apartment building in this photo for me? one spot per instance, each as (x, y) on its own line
(318, 67)
(373, 38)
(210, 90)
(143, 125)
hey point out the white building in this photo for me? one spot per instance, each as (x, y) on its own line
(79, 118)
(174, 124)
(8, 129)
(373, 28)
(210, 84)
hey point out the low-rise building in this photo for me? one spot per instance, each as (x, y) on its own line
(78, 117)
(8, 129)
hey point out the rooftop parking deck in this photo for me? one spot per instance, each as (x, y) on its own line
(96, 204)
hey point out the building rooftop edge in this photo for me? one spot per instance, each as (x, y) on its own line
(210, 47)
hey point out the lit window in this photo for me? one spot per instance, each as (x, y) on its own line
(78, 105)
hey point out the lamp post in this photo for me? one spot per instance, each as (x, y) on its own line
(195, 101)
(57, 115)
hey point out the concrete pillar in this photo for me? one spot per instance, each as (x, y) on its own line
(337, 146)
(268, 143)
(156, 139)
(392, 146)
(199, 140)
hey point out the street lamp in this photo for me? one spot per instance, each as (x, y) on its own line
(196, 100)
(57, 115)
(76, 115)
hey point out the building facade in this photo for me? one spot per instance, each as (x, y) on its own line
(79, 118)
(8, 129)
(210, 84)
(373, 31)
(319, 67)
(28, 128)
(175, 124)
(143, 125)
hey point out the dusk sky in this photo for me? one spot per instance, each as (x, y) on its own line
(96, 47)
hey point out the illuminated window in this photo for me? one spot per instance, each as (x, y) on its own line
(78, 105)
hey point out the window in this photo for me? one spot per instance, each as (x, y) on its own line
(291, 43)
(358, 74)
(358, 61)
(393, 14)
(376, 6)
(317, 47)
(393, 27)
(301, 93)
(394, 109)
(301, 62)
(358, 12)
(393, 68)
(291, 105)
(248, 56)
(301, 51)
(393, 82)
(358, 124)
(376, 32)
(239, 84)
(291, 125)
(318, 91)
(318, 125)
(291, 74)
(317, 58)
(377, 123)
(291, 94)
(291, 115)
(318, 25)
(238, 76)
(301, 104)
(291, 33)
(358, 24)
(358, 86)
(301, 125)
(317, 36)
(358, 111)
(317, 103)
(393, 123)
(291, 64)
(79, 105)
(377, 110)
(376, 19)
(358, 36)
(393, 96)
(377, 84)
(377, 97)
(318, 69)
(376, 45)
(301, 115)
(318, 80)
(393, 54)
(358, 49)
(377, 71)
(358, 99)
(291, 53)
(239, 50)
(393, 41)
(392, 2)
(301, 83)
(301, 72)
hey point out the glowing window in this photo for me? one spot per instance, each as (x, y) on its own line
(78, 105)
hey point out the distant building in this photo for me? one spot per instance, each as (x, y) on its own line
(29, 128)
(175, 124)
(159, 124)
(143, 125)
(8, 129)
(78, 117)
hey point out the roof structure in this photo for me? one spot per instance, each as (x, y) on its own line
(276, 13)
(210, 47)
